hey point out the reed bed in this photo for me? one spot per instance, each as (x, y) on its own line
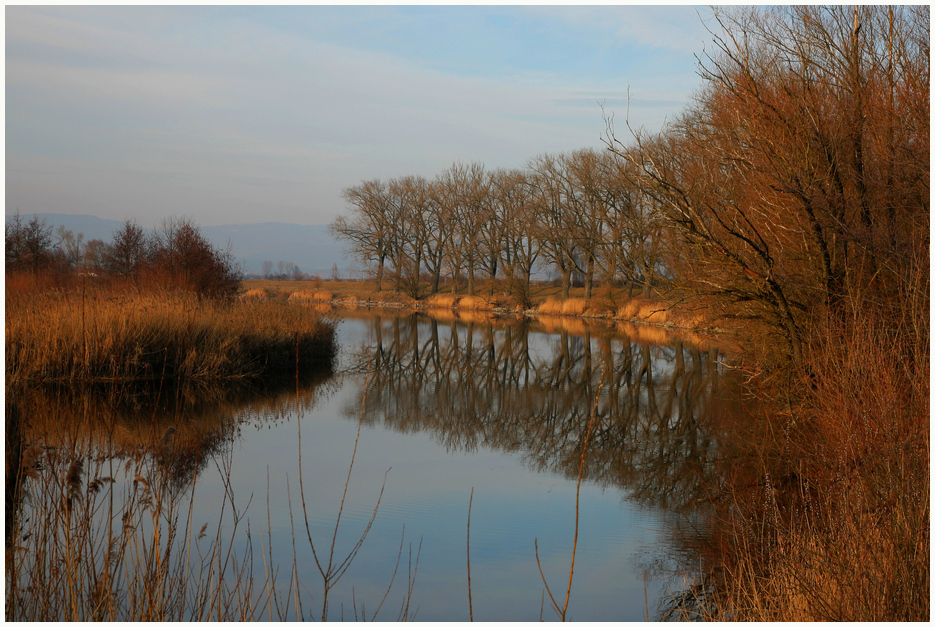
(108, 541)
(644, 310)
(828, 513)
(476, 303)
(551, 306)
(325, 295)
(443, 301)
(299, 295)
(105, 336)
(257, 293)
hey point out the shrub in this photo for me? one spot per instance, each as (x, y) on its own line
(183, 255)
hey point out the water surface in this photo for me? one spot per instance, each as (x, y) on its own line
(438, 409)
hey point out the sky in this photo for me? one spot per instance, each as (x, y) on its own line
(240, 115)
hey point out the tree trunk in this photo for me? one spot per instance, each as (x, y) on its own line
(380, 272)
(589, 277)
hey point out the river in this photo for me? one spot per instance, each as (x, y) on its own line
(464, 432)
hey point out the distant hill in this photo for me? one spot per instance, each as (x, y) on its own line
(310, 247)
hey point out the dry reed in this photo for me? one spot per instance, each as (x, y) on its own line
(443, 301)
(74, 336)
(256, 293)
(828, 515)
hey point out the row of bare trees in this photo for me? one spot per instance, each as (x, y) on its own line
(575, 213)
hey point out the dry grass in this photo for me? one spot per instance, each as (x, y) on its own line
(574, 307)
(644, 310)
(259, 293)
(443, 301)
(297, 296)
(601, 308)
(545, 299)
(85, 552)
(477, 303)
(551, 306)
(828, 517)
(103, 335)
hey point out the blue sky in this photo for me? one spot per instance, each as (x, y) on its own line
(257, 114)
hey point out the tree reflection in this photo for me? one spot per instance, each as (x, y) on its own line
(510, 386)
(178, 428)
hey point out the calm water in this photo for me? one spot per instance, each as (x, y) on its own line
(444, 408)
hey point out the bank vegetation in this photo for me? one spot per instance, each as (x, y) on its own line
(158, 306)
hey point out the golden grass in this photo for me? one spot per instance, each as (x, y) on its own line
(551, 306)
(644, 310)
(600, 308)
(476, 303)
(97, 336)
(443, 301)
(257, 293)
(829, 515)
(298, 295)
(574, 307)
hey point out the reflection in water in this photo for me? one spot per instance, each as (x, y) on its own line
(101, 496)
(180, 427)
(515, 388)
(509, 387)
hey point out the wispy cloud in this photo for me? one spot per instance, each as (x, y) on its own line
(288, 104)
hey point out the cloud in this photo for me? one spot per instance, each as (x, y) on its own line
(676, 28)
(229, 99)
(618, 102)
(117, 87)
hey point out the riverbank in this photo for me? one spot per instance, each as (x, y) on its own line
(124, 335)
(544, 300)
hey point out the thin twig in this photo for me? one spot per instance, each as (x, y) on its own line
(470, 605)
(571, 569)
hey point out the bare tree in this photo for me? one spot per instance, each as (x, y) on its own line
(129, 251)
(515, 211)
(371, 231)
(465, 190)
(70, 245)
(555, 229)
(28, 246)
(94, 255)
(186, 258)
(782, 178)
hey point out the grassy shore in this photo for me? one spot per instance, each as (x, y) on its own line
(545, 300)
(126, 335)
